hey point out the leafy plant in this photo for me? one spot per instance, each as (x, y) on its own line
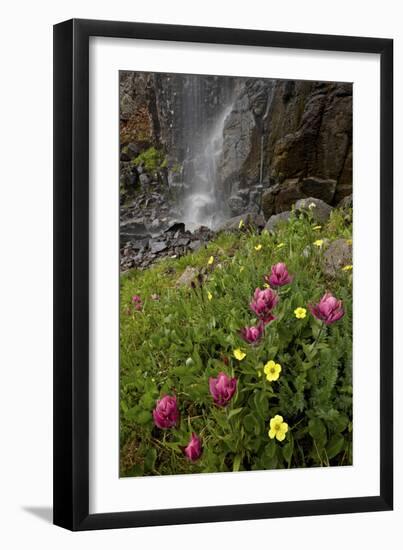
(177, 338)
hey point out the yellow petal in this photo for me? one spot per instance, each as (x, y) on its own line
(239, 354)
(280, 436)
(258, 247)
(272, 434)
(210, 260)
(209, 295)
(278, 418)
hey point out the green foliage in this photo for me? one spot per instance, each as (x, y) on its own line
(175, 343)
(152, 159)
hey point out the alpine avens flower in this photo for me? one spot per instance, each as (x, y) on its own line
(210, 260)
(347, 268)
(222, 389)
(258, 247)
(239, 354)
(252, 335)
(272, 371)
(193, 450)
(300, 312)
(166, 412)
(279, 275)
(209, 295)
(318, 243)
(241, 224)
(264, 301)
(329, 309)
(278, 428)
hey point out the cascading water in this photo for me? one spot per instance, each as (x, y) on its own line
(204, 150)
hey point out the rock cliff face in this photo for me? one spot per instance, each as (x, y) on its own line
(232, 145)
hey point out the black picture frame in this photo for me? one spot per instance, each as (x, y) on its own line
(71, 274)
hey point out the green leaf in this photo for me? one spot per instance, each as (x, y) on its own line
(318, 431)
(150, 458)
(335, 446)
(143, 417)
(237, 463)
(233, 412)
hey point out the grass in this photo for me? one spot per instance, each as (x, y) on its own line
(180, 338)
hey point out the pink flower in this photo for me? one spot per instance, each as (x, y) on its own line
(136, 299)
(279, 275)
(194, 449)
(222, 389)
(252, 335)
(166, 413)
(329, 309)
(263, 302)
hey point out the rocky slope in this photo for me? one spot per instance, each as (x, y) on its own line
(205, 149)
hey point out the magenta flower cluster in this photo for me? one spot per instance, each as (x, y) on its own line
(222, 389)
(329, 309)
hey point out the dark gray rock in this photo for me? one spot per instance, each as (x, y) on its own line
(323, 189)
(277, 219)
(347, 202)
(236, 204)
(195, 245)
(158, 246)
(320, 210)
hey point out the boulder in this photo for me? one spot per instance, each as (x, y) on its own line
(337, 255)
(249, 219)
(320, 210)
(319, 188)
(276, 219)
(347, 202)
(188, 277)
(157, 246)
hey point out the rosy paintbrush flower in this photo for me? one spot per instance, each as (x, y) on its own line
(329, 309)
(194, 449)
(166, 412)
(222, 389)
(252, 335)
(263, 303)
(279, 275)
(136, 299)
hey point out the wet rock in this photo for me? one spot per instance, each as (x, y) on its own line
(336, 256)
(323, 189)
(188, 277)
(236, 204)
(133, 229)
(277, 219)
(320, 210)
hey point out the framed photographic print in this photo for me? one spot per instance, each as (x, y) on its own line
(223, 318)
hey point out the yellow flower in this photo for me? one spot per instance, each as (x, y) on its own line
(209, 295)
(241, 268)
(266, 285)
(317, 228)
(239, 354)
(241, 224)
(300, 312)
(258, 247)
(280, 245)
(349, 242)
(347, 268)
(272, 371)
(210, 260)
(318, 243)
(278, 428)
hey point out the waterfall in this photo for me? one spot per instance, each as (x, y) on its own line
(204, 130)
